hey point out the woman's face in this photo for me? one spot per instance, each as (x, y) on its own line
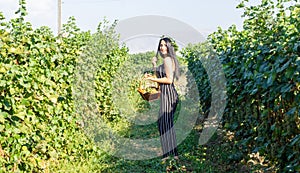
(163, 47)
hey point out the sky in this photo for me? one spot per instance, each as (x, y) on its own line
(203, 15)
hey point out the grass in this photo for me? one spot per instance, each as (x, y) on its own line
(215, 156)
(212, 157)
(193, 158)
(218, 155)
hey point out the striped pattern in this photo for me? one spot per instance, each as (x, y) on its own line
(168, 104)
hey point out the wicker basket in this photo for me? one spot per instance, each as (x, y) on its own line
(149, 90)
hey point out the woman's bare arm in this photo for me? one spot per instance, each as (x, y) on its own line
(168, 65)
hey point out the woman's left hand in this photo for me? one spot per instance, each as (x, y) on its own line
(149, 77)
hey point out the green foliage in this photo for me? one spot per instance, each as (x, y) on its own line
(38, 125)
(195, 56)
(261, 64)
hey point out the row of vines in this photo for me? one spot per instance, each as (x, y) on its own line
(39, 129)
(261, 65)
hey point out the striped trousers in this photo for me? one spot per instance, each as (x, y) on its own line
(166, 124)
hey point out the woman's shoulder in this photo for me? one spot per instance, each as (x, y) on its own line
(168, 59)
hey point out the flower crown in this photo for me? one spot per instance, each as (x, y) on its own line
(173, 43)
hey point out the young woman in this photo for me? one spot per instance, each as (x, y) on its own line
(166, 73)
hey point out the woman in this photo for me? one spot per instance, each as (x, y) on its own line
(166, 73)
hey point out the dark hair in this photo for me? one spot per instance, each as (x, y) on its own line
(171, 52)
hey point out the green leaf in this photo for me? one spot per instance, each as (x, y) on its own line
(271, 79)
(295, 140)
(25, 102)
(21, 115)
(53, 98)
(241, 5)
(286, 88)
(3, 116)
(7, 105)
(290, 72)
(286, 65)
(292, 111)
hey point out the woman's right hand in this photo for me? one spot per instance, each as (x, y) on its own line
(154, 60)
(147, 75)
